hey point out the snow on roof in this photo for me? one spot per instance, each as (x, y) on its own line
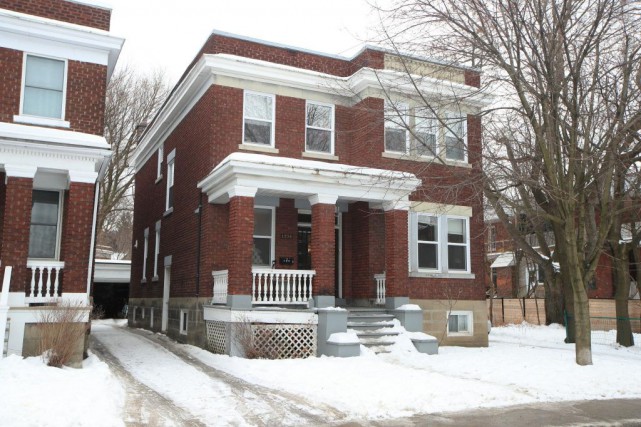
(504, 260)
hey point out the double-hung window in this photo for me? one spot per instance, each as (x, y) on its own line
(319, 128)
(263, 237)
(44, 87)
(144, 255)
(455, 136)
(160, 153)
(44, 233)
(439, 243)
(426, 132)
(171, 162)
(396, 132)
(258, 118)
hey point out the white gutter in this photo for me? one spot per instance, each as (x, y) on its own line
(93, 240)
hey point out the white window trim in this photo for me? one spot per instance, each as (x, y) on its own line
(38, 120)
(184, 323)
(171, 179)
(331, 129)
(160, 153)
(437, 132)
(272, 246)
(463, 117)
(470, 323)
(61, 201)
(404, 117)
(144, 256)
(272, 121)
(442, 258)
(156, 251)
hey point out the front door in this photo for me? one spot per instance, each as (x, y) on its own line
(165, 300)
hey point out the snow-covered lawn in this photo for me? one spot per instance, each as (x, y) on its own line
(523, 364)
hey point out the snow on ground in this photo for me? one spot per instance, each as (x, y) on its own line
(523, 364)
(34, 394)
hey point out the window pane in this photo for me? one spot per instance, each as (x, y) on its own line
(456, 231)
(428, 229)
(257, 132)
(42, 241)
(262, 251)
(307, 218)
(44, 207)
(45, 73)
(456, 257)
(258, 106)
(262, 222)
(319, 140)
(42, 102)
(452, 323)
(454, 148)
(427, 257)
(426, 144)
(395, 140)
(319, 116)
(462, 323)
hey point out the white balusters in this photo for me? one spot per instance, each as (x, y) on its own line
(274, 286)
(380, 288)
(45, 280)
(221, 281)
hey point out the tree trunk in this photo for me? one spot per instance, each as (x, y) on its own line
(583, 346)
(621, 281)
(570, 329)
(553, 301)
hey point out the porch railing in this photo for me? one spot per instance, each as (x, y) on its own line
(273, 286)
(45, 280)
(221, 280)
(380, 288)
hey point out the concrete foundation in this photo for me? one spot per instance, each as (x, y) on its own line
(435, 314)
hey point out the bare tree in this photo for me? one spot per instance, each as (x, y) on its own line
(567, 73)
(132, 100)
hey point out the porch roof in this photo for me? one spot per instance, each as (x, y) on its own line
(505, 259)
(288, 177)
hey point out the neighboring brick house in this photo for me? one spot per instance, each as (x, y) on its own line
(271, 168)
(56, 57)
(515, 275)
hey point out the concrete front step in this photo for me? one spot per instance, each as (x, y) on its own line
(364, 326)
(369, 325)
(367, 334)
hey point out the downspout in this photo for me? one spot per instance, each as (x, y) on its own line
(92, 244)
(199, 212)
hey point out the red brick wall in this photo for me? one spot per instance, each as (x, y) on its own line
(396, 253)
(323, 246)
(85, 99)
(3, 193)
(241, 243)
(61, 10)
(504, 282)
(602, 279)
(17, 220)
(76, 236)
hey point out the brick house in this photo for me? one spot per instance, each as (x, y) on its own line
(276, 184)
(56, 57)
(515, 275)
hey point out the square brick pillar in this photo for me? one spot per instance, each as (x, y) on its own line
(241, 246)
(16, 225)
(396, 256)
(75, 244)
(323, 246)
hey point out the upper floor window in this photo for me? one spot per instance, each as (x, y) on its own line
(44, 87)
(44, 233)
(160, 153)
(439, 243)
(396, 134)
(426, 132)
(455, 135)
(258, 118)
(319, 129)
(171, 162)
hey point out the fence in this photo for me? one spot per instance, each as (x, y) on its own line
(604, 329)
(532, 310)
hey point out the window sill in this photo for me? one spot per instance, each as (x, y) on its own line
(443, 275)
(459, 335)
(158, 179)
(154, 279)
(319, 156)
(41, 121)
(143, 280)
(168, 212)
(425, 159)
(259, 148)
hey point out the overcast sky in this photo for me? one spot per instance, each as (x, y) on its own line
(166, 34)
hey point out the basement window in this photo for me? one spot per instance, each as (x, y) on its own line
(460, 323)
(184, 320)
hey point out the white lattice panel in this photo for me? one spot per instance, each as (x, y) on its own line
(216, 337)
(285, 341)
